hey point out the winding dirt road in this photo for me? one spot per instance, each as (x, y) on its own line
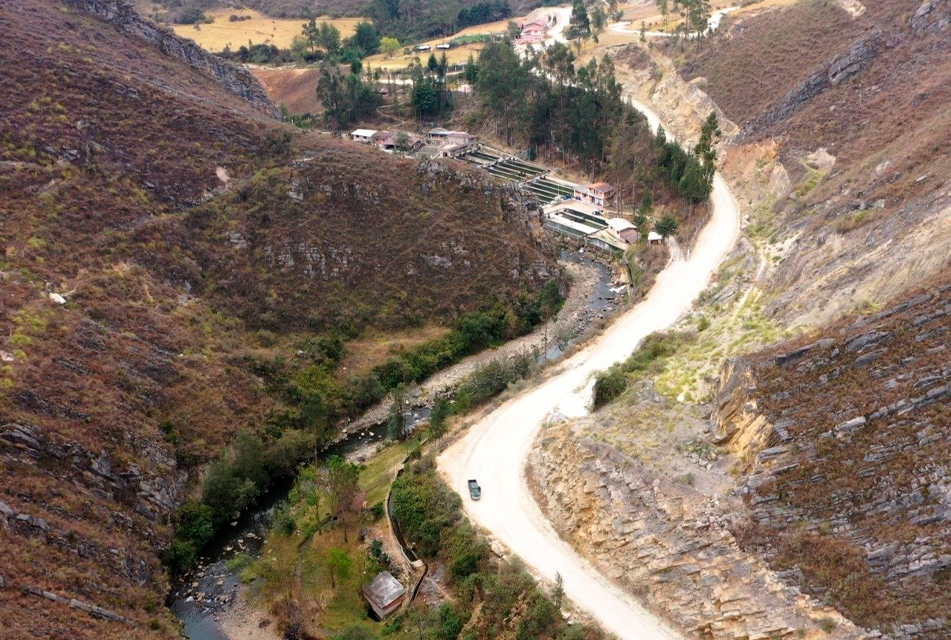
(495, 449)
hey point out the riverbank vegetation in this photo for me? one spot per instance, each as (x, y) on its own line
(310, 573)
(313, 399)
(493, 597)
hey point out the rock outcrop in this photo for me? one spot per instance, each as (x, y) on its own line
(840, 69)
(848, 481)
(123, 16)
(667, 537)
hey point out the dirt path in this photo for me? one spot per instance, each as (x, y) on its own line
(574, 319)
(495, 449)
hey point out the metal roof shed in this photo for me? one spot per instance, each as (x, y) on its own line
(385, 594)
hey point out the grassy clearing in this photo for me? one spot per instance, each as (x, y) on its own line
(258, 29)
(685, 362)
(692, 372)
(456, 55)
(375, 348)
(379, 472)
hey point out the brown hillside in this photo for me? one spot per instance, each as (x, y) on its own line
(294, 88)
(176, 219)
(849, 490)
(873, 91)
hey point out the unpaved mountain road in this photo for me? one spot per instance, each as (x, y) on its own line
(494, 450)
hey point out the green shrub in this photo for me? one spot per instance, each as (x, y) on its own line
(494, 377)
(608, 385)
(438, 417)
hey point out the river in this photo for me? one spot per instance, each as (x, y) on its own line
(201, 597)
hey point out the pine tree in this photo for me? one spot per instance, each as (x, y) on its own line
(666, 226)
(579, 25)
(706, 150)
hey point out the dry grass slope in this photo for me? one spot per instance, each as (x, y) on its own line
(125, 176)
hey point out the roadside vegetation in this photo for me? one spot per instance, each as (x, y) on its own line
(685, 362)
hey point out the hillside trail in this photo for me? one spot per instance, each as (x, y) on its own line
(494, 449)
(712, 25)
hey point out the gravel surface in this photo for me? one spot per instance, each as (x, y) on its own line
(494, 450)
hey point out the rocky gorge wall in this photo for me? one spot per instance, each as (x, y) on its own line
(123, 16)
(845, 440)
(667, 539)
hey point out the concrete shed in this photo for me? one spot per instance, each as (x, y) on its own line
(385, 594)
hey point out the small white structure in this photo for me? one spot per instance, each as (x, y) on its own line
(385, 594)
(623, 230)
(424, 47)
(655, 238)
(444, 45)
(363, 135)
(453, 143)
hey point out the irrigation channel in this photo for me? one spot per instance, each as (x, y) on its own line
(201, 597)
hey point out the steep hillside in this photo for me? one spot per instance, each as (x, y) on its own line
(854, 107)
(845, 438)
(294, 88)
(157, 224)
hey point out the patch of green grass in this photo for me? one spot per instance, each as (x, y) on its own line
(379, 472)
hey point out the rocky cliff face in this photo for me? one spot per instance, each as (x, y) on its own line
(123, 16)
(839, 69)
(850, 199)
(848, 485)
(653, 511)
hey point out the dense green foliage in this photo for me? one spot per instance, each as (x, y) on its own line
(666, 226)
(430, 96)
(315, 399)
(430, 515)
(471, 334)
(648, 359)
(346, 98)
(232, 483)
(579, 25)
(268, 54)
(608, 385)
(488, 11)
(491, 379)
(579, 114)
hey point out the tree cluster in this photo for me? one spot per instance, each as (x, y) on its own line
(430, 515)
(430, 95)
(694, 17)
(346, 97)
(483, 12)
(543, 101)
(364, 42)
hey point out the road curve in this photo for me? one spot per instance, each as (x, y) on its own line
(494, 450)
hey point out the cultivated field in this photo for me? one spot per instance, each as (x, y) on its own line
(259, 29)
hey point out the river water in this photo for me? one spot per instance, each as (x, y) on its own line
(211, 587)
(199, 598)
